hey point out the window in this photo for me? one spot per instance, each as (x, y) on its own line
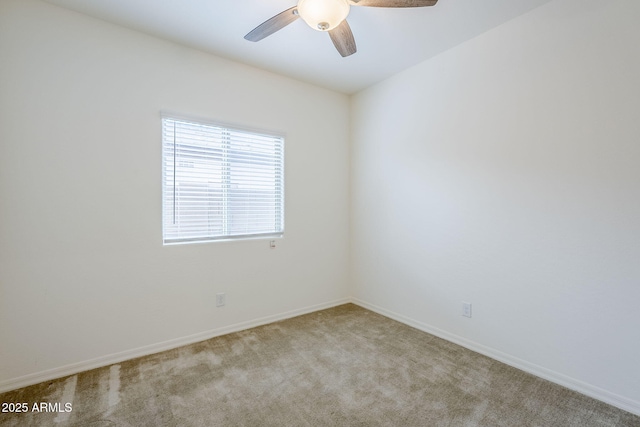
(220, 183)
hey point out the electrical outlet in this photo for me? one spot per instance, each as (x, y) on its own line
(466, 309)
(272, 244)
(221, 299)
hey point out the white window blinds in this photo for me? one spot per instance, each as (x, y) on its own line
(220, 183)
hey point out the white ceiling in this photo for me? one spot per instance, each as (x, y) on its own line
(388, 40)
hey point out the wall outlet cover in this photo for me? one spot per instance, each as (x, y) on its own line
(221, 299)
(466, 309)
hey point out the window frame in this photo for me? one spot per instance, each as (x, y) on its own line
(224, 127)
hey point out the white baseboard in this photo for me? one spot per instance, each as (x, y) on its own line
(75, 368)
(598, 393)
(613, 399)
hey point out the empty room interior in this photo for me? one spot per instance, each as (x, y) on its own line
(455, 229)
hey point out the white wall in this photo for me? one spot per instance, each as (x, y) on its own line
(83, 272)
(506, 173)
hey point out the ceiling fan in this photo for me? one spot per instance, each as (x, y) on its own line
(327, 16)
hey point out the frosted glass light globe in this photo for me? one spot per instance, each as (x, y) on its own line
(323, 15)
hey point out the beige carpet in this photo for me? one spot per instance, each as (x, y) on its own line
(345, 366)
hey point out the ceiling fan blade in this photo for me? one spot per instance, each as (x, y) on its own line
(273, 24)
(393, 3)
(343, 40)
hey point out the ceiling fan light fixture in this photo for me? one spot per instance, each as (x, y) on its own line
(323, 15)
